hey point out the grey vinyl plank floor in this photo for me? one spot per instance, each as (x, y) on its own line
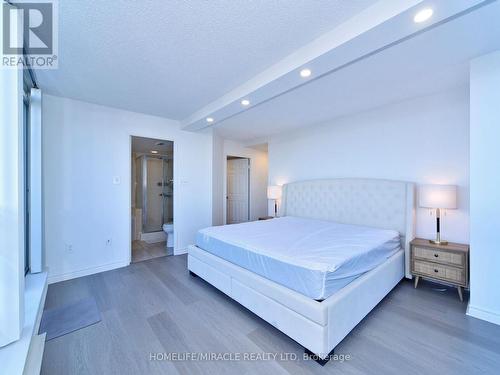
(141, 250)
(154, 306)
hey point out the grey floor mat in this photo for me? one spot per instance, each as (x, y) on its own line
(65, 319)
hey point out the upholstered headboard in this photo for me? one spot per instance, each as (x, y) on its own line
(376, 203)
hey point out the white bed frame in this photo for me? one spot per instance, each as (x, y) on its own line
(320, 326)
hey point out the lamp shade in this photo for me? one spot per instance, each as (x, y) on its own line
(274, 192)
(438, 196)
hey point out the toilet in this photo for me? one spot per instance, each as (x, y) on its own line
(168, 228)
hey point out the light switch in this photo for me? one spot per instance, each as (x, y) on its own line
(116, 180)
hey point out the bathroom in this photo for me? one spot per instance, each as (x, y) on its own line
(152, 205)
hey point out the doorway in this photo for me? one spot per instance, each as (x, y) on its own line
(237, 190)
(152, 196)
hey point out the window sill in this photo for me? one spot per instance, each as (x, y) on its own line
(14, 356)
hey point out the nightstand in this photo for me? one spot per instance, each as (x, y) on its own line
(446, 263)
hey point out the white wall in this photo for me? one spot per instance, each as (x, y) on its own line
(425, 140)
(85, 145)
(218, 196)
(484, 187)
(258, 178)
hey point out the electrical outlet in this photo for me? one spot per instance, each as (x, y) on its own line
(69, 248)
(109, 242)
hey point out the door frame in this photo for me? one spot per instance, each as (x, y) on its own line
(130, 192)
(249, 199)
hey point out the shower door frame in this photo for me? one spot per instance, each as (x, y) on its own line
(145, 189)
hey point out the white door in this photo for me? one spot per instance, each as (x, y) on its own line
(237, 190)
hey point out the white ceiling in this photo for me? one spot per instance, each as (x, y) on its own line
(170, 58)
(146, 145)
(430, 62)
(187, 60)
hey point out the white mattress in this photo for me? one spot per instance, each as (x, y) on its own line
(313, 257)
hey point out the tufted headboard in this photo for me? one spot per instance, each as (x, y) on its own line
(376, 203)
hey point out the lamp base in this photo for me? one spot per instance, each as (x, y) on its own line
(438, 242)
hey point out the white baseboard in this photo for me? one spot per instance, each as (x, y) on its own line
(86, 271)
(180, 251)
(488, 315)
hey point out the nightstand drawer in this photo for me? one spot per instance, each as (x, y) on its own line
(439, 256)
(439, 271)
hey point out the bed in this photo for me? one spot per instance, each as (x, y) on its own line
(338, 248)
(313, 257)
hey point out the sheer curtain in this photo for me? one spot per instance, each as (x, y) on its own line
(11, 201)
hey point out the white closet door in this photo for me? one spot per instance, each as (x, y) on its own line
(237, 190)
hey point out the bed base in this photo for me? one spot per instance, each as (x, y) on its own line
(318, 360)
(314, 357)
(317, 326)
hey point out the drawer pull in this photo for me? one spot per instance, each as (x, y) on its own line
(435, 270)
(436, 255)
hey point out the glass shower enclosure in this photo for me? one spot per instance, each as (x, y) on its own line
(155, 191)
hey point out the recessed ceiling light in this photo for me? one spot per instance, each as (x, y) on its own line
(154, 151)
(210, 120)
(304, 73)
(245, 102)
(423, 15)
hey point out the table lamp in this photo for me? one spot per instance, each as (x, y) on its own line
(438, 197)
(274, 193)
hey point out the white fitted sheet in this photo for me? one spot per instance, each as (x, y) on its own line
(313, 257)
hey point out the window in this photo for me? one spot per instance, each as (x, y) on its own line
(26, 162)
